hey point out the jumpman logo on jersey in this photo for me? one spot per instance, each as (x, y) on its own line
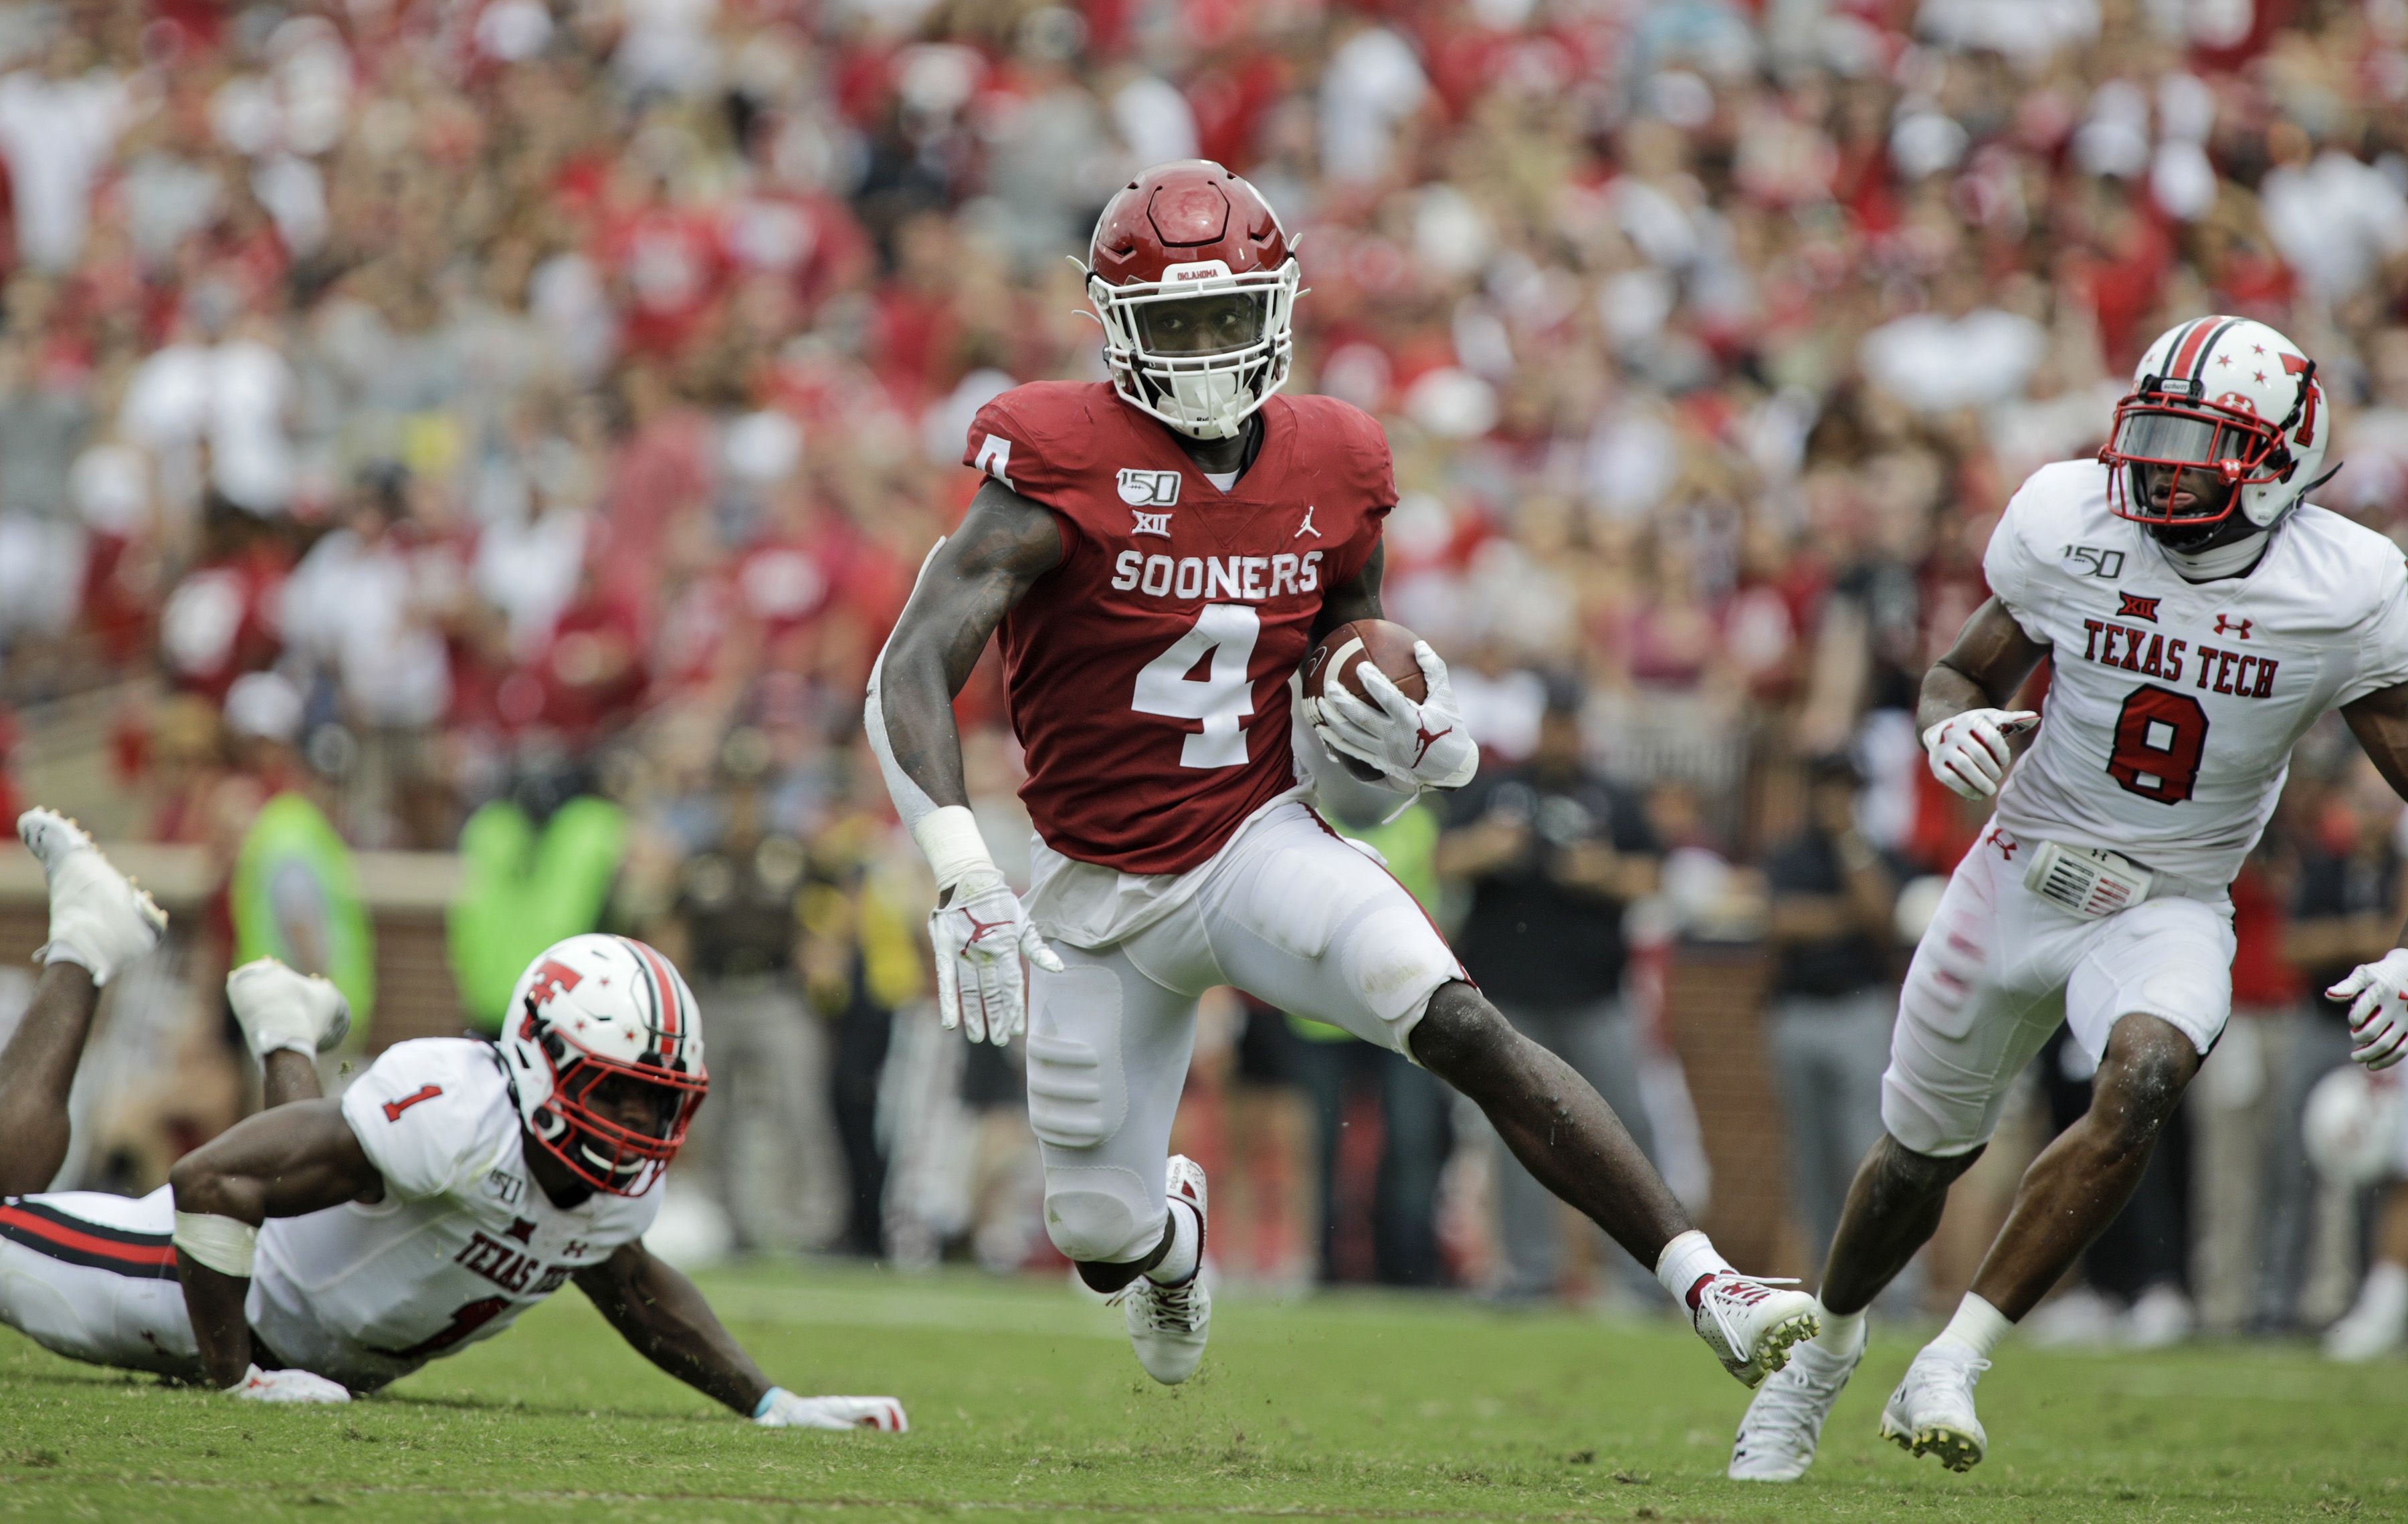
(1306, 528)
(1422, 734)
(2236, 629)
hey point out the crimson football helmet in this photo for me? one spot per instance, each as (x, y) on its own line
(1195, 286)
(2228, 397)
(596, 1011)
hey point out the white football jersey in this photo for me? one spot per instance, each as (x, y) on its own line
(463, 1241)
(2173, 707)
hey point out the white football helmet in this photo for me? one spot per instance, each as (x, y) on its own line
(2225, 396)
(600, 1011)
(2351, 1126)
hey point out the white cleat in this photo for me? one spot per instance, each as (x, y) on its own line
(1932, 1412)
(1777, 1437)
(278, 1008)
(1167, 1325)
(2377, 1325)
(787, 1411)
(99, 918)
(1751, 1324)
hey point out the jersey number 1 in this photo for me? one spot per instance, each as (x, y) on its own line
(1182, 684)
(2159, 737)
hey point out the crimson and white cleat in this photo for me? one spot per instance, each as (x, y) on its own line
(1167, 1325)
(782, 1409)
(280, 1008)
(99, 918)
(1932, 1412)
(1783, 1424)
(1751, 1324)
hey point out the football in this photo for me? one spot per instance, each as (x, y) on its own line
(1384, 643)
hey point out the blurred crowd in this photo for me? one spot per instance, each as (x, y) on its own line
(435, 405)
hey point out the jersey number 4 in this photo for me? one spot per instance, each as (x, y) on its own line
(1203, 676)
(2161, 736)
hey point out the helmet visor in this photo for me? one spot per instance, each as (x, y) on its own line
(2185, 438)
(1200, 327)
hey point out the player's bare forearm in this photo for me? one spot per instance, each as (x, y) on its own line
(1990, 660)
(287, 1076)
(283, 1163)
(2380, 722)
(1357, 598)
(664, 1317)
(1004, 544)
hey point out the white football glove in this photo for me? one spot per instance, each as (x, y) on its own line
(1419, 745)
(781, 1409)
(1969, 751)
(979, 939)
(258, 1386)
(280, 1008)
(2378, 1014)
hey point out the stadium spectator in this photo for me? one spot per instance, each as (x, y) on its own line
(1833, 902)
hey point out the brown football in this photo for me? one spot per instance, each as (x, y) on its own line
(1384, 643)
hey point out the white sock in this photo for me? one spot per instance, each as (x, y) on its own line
(1687, 1260)
(1843, 1333)
(1186, 1247)
(1977, 1327)
(2386, 1287)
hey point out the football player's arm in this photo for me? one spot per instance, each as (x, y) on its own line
(1004, 544)
(1961, 714)
(1357, 598)
(664, 1317)
(282, 1162)
(966, 587)
(2378, 992)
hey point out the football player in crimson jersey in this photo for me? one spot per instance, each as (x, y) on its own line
(323, 1247)
(1159, 553)
(2199, 616)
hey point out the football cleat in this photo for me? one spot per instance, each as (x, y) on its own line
(99, 918)
(1932, 1412)
(1167, 1325)
(1751, 1324)
(278, 1008)
(2377, 1324)
(1777, 1437)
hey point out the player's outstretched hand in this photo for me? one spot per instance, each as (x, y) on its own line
(1419, 745)
(258, 1386)
(2378, 994)
(1969, 751)
(979, 938)
(781, 1409)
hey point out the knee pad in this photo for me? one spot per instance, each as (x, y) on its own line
(1101, 1213)
(1078, 1093)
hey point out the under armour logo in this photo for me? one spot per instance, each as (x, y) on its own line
(1306, 528)
(1428, 740)
(980, 928)
(2004, 842)
(1152, 524)
(2238, 629)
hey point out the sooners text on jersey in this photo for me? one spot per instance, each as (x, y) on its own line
(1148, 672)
(2173, 707)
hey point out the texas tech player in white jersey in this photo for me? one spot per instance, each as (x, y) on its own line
(2173, 705)
(2198, 617)
(461, 1244)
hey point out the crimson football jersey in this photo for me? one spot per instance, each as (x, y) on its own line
(1148, 672)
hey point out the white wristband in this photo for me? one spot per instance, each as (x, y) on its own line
(225, 1245)
(949, 838)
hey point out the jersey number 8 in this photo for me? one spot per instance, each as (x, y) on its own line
(2159, 737)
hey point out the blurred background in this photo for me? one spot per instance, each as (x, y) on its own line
(459, 458)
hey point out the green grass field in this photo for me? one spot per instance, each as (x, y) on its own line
(1025, 1402)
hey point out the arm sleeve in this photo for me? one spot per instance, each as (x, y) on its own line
(2383, 644)
(2007, 567)
(428, 1119)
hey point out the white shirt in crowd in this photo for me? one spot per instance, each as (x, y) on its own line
(56, 136)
